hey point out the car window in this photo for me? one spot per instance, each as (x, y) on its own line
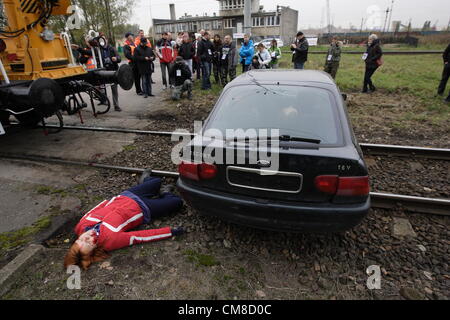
(296, 111)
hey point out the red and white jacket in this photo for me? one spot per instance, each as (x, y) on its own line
(114, 218)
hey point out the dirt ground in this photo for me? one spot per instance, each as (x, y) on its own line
(399, 119)
(217, 260)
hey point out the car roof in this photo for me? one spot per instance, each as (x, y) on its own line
(283, 75)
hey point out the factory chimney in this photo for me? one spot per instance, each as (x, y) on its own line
(172, 12)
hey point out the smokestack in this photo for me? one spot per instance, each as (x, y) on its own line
(172, 12)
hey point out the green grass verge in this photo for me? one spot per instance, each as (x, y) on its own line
(11, 240)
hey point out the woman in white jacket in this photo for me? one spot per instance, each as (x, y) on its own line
(263, 56)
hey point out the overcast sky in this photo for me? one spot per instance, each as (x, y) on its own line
(311, 13)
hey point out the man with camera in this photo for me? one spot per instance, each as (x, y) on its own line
(182, 75)
(300, 50)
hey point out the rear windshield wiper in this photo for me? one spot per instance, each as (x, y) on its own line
(284, 138)
(298, 139)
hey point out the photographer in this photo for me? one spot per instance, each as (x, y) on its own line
(182, 75)
(300, 50)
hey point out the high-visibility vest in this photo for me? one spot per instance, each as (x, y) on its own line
(137, 42)
(132, 47)
(90, 65)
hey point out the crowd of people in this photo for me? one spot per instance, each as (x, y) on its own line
(194, 57)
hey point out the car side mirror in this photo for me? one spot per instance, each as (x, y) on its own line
(344, 96)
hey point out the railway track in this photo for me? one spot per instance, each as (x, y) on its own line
(372, 149)
(384, 52)
(379, 200)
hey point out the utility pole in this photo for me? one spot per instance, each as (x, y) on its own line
(248, 17)
(328, 17)
(390, 16)
(385, 20)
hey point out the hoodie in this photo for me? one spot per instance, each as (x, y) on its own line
(246, 53)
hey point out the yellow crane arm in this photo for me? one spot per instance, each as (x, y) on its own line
(32, 51)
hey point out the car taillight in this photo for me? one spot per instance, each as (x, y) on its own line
(343, 186)
(327, 184)
(197, 171)
(189, 170)
(207, 171)
(353, 186)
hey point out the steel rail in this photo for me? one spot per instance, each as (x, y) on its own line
(373, 149)
(395, 150)
(384, 52)
(379, 200)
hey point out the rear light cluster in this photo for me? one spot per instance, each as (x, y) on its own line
(343, 186)
(197, 171)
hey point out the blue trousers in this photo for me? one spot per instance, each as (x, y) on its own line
(299, 65)
(162, 206)
(147, 84)
(206, 74)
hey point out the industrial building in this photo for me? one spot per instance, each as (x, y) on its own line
(280, 23)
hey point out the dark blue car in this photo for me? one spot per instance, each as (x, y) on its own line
(306, 174)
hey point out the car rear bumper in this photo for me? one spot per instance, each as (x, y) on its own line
(307, 218)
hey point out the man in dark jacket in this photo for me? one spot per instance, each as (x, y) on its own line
(228, 58)
(182, 75)
(144, 57)
(372, 58)
(186, 50)
(300, 50)
(128, 50)
(111, 60)
(445, 73)
(205, 53)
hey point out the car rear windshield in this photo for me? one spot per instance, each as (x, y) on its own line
(305, 112)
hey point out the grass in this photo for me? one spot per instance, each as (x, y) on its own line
(129, 148)
(387, 47)
(409, 81)
(11, 240)
(201, 259)
(49, 191)
(419, 75)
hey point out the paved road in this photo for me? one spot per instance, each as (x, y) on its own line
(20, 202)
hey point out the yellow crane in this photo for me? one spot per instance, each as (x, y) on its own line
(38, 73)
